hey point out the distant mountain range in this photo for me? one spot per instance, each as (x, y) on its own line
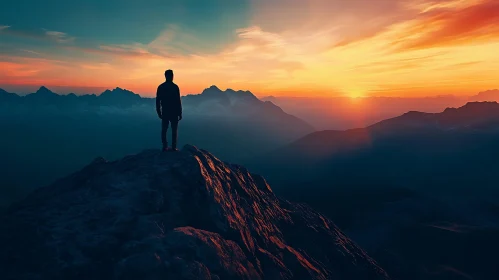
(399, 144)
(117, 97)
(212, 101)
(340, 113)
(226, 97)
(489, 95)
(224, 111)
(418, 191)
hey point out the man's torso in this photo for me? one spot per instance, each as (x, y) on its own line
(168, 95)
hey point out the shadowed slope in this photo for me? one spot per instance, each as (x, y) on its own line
(411, 144)
(180, 215)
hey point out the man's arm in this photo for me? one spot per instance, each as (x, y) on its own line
(158, 103)
(179, 103)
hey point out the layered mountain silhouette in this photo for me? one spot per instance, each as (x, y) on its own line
(341, 113)
(418, 192)
(212, 101)
(215, 102)
(488, 95)
(229, 107)
(243, 110)
(473, 115)
(225, 98)
(234, 125)
(403, 141)
(184, 215)
(117, 97)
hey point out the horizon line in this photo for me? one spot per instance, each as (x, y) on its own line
(104, 89)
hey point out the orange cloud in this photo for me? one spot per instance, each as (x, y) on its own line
(21, 70)
(451, 26)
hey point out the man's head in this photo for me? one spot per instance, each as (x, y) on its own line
(169, 75)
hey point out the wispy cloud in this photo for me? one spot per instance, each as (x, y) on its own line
(172, 42)
(37, 34)
(124, 52)
(31, 52)
(392, 65)
(59, 37)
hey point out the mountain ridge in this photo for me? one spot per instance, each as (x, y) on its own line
(239, 101)
(488, 95)
(340, 113)
(473, 114)
(45, 90)
(408, 140)
(212, 101)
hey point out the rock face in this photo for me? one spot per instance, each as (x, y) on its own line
(183, 215)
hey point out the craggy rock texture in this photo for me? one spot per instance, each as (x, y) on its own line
(183, 215)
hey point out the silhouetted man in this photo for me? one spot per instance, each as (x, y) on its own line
(169, 108)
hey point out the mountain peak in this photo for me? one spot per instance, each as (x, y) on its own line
(212, 90)
(229, 94)
(116, 90)
(166, 215)
(44, 91)
(121, 90)
(120, 93)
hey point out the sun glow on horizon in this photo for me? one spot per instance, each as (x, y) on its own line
(356, 94)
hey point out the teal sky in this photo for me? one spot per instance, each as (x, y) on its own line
(125, 21)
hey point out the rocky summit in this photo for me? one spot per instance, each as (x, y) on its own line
(184, 215)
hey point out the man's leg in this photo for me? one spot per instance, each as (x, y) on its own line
(164, 129)
(174, 132)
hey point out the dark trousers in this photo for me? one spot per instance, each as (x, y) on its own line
(164, 129)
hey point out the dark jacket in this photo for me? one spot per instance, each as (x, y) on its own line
(168, 101)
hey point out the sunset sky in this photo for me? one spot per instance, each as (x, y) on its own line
(271, 47)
